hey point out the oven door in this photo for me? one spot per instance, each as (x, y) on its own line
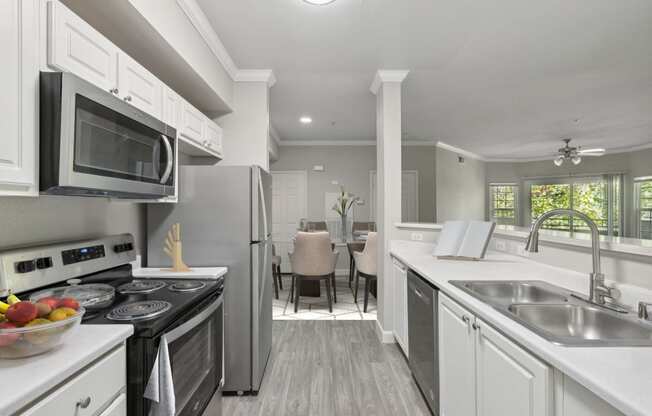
(105, 145)
(196, 355)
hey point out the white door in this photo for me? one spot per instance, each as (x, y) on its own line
(139, 87)
(289, 205)
(75, 46)
(401, 306)
(510, 381)
(456, 360)
(192, 124)
(18, 101)
(409, 195)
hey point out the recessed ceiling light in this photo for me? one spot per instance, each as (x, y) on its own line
(319, 2)
(305, 120)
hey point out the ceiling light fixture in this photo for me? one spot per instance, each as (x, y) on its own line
(574, 154)
(319, 2)
(305, 120)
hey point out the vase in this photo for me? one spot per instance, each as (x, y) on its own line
(344, 229)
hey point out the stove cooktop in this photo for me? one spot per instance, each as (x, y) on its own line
(150, 305)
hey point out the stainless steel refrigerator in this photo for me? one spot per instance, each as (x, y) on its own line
(225, 216)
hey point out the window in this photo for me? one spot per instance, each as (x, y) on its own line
(599, 197)
(643, 189)
(503, 207)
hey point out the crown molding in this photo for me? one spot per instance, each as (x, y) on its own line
(349, 143)
(203, 26)
(459, 151)
(383, 76)
(256, 75)
(199, 20)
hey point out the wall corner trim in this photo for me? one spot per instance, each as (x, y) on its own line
(383, 76)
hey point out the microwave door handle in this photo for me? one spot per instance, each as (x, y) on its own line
(170, 159)
(195, 321)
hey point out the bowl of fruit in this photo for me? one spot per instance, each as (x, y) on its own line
(31, 328)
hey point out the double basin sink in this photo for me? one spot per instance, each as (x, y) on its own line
(560, 315)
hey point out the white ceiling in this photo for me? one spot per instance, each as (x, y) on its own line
(503, 79)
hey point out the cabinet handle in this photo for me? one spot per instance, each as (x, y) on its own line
(128, 98)
(84, 403)
(114, 91)
(466, 319)
(475, 326)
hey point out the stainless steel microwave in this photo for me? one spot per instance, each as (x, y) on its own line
(92, 143)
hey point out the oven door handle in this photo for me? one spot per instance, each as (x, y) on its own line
(170, 159)
(195, 321)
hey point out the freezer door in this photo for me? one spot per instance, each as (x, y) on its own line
(261, 204)
(261, 256)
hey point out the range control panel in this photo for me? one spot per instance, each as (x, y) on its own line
(28, 268)
(78, 255)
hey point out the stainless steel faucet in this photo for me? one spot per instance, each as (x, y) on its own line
(597, 289)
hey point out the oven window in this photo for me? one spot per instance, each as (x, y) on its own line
(194, 368)
(109, 144)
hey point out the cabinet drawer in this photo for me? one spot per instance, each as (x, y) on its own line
(100, 383)
(118, 407)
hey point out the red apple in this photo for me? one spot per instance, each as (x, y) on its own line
(7, 339)
(68, 303)
(51, 301)
(22, 312)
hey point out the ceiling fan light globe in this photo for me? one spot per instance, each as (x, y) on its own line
(576, 160)
(559, 160)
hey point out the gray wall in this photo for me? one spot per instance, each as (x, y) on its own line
(460, 187)
(632, 165)
(51, 218)
(350, 166)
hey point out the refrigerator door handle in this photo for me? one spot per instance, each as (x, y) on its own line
(263, 203)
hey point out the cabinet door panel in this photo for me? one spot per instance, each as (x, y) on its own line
(139, 87)
(192, 123)
(171, 107)
(74, 46)
(18, 101)
(510, 381)
(213, 136)
(400, 304)
(118, 407)
(456, 360)
(573, 399)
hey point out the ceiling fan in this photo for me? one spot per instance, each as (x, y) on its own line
(574, 154)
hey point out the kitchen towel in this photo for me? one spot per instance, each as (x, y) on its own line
(160, 387)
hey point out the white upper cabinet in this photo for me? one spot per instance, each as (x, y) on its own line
(171, 107)
(74, 46)
(18, 101)
(482, 373)
(191, 123)
(139, 87)
(213, 136)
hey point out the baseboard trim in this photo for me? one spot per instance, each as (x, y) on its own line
(385, 337)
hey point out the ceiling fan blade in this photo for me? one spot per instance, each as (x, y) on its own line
(591, 152)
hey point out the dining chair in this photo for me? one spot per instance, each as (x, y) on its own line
(313, 259)
(366, 267)
(276, 271)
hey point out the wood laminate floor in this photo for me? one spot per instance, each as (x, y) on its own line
(330, 368)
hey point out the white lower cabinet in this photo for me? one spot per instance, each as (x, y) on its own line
(485, 374)
(573, 399)
(399, 272)
(100, 389)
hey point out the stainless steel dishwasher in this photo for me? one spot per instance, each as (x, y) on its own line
(422, 333)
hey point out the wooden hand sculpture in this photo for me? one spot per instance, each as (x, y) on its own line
(173, 249)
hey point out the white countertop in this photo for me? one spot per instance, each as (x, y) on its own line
(621, 376)
(194, 273)
(26, 379)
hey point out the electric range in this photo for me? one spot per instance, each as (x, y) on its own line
(187, 313)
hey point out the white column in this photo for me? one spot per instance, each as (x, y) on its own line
(387, 88)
